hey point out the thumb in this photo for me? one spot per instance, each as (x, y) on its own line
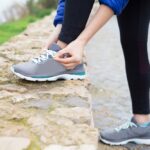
(61, 53)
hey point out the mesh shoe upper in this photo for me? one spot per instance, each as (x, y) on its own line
(45, 65)
(130, 130)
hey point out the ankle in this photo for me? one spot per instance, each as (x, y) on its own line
(141, 118)
(61, 44)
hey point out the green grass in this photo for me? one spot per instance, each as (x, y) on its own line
(10, 29)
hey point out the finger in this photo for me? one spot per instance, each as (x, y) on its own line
(65, 60)
(70, 66)
(61, 53)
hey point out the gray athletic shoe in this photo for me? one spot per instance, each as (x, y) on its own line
(45, 68)
(128, 132)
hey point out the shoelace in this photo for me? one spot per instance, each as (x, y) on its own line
(126, 126)
(44, 56)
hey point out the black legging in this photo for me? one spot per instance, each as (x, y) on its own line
(133, 25)
(76, 15)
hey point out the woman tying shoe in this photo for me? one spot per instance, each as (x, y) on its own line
(133, 21)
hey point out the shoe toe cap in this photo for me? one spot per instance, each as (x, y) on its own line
(21, 69)
(107, 135)
(104, 135)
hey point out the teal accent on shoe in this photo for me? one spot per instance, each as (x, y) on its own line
(144, 125)
(79, 73)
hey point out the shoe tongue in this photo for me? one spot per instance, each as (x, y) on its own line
(54, 47)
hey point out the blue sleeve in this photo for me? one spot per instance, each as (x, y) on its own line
(60, 12)
(116, 5)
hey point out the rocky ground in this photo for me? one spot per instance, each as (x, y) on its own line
(42, 116)
(57, 115)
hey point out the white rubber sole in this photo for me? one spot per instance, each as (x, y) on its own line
(137, 141)
(55, 78)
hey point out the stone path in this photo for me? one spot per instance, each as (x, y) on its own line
(42, 116)
(110, 94)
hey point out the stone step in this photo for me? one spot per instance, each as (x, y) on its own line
(52, 115)
(14, 143)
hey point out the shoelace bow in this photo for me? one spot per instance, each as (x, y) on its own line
(126, 126)
(44, 56)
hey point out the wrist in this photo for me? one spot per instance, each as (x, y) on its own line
(57, 29)
(81, 41)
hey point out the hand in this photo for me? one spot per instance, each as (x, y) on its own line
(53, 37)
(75, 52)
